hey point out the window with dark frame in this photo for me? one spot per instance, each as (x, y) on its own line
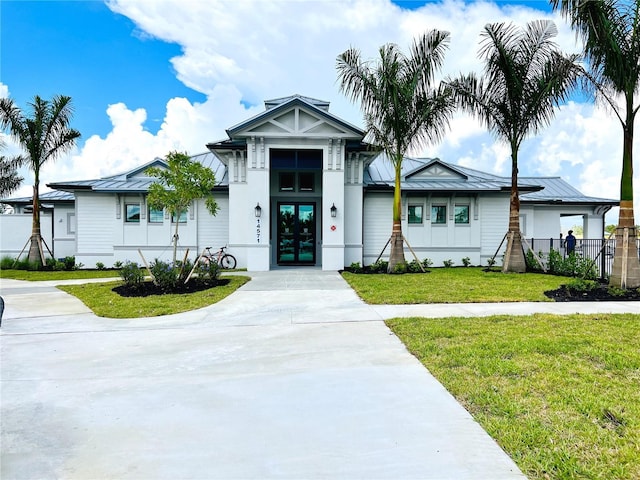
(156, 215)
(287, 181)
(132, 213)
(306, 181)
(415, 214)
(181, 219)
(461, 214)
(439, 214)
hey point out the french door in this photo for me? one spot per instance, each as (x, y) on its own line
(296, 233)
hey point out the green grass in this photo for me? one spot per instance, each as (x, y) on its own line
(560, 394)
(104, 302)
(36, 275)
(453, 285)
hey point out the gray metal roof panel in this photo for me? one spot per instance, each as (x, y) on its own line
(558, 190)
(52, 196)
(126, 182)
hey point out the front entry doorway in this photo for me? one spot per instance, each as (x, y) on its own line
(296, 233)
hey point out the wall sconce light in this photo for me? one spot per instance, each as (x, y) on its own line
(334, 211)
(258, 210)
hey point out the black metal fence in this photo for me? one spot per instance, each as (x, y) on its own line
(599, 249)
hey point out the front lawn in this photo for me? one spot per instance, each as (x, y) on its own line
(43, 275)
(560, 394)
(453, 285)
(104, 302)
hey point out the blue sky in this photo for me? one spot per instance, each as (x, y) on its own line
(147, 77)
(86, 51)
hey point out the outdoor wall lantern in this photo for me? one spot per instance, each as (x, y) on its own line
(258, 210)
(334, 210)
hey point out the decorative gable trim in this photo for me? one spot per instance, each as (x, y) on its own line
(295, 116)
(436, 170)
(139, 172)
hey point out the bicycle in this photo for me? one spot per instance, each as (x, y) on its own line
(221, 257)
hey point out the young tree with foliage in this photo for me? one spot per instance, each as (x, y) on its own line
(44, 134)
(525, 78)
(402, 108)
(182, 182)
(610, 30)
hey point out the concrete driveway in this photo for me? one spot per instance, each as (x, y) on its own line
(292, 376)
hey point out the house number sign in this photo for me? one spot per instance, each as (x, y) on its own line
(258, 230)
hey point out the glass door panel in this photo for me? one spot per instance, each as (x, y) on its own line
(296, 233)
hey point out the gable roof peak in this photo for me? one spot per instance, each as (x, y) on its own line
(321, 104)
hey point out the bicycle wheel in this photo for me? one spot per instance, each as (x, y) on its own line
(228, 261)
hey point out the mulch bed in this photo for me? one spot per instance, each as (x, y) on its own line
(146, 289)
(598, 294)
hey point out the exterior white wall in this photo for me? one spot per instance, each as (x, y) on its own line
(546, 222)
(494, 223)
(97, 230)
(250, 232)
(353, 228)
(104, 236)
(16, 231)
(378, 219)
(213, 231)
(477, 240)
(333, 228)
(64, 230)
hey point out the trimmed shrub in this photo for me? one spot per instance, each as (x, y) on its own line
(206, 272)
(164, 275)
(582, 285)
(426, 263)
(414, 267)
(131, 274)
(355, 267)
(70, 263)
(400, 268)
(466, 261)
(379, 267)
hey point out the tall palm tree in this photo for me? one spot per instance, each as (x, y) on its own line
(402, 108)
(525, 77)
(610, 30)
(44, 135)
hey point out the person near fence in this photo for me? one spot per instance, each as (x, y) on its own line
(570, 243)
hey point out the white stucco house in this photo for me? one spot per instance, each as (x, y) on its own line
(298, 186)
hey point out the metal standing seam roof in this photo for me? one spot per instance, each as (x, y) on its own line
(127, 183)
(52, 196)
(380, 173)
(558, 190)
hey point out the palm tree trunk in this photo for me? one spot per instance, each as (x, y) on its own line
(36, 255)
(396, 254)
(626, 265)
(514, 260)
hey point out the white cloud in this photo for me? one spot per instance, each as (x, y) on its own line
(240, 53)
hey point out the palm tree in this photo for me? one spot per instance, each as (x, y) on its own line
(10, 181)
(44, 135)
(402, 109)
(525, 77)
(609, 29)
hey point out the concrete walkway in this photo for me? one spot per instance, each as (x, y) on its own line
(292, 376)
